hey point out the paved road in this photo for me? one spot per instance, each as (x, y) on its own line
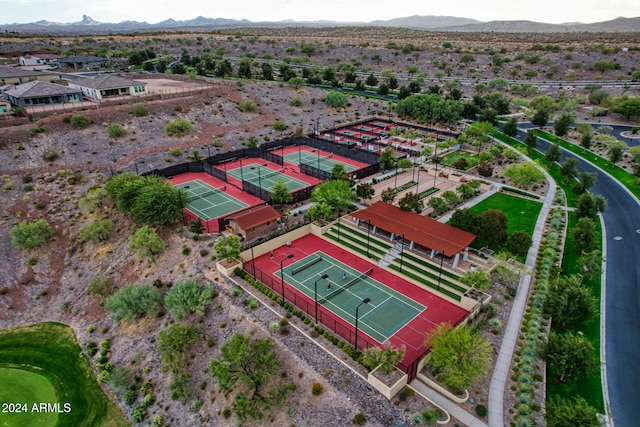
(622, 226)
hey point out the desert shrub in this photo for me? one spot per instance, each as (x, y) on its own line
(280, 126)
(189, 297)
(481, 410)
(336, 99)
(94, 200)
(78, 121)
(50, 155)
(31, 234)
(116, 131)
(485, 169)
(134, 301)
(140, 110)
(248, 106)
(139, 414)
(130, 397)
(317, 389)
(100, 285)
(359, 419)
(178, 127)
(92, 348)
(295, 102)
(97, 231)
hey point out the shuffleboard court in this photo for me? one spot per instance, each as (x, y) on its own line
(208, 202)
(341, 288)
(318, 161)
(264, 177)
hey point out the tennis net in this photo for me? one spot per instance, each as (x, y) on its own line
(306, 265)
(345, 287)
(265, 175)
(204, 195)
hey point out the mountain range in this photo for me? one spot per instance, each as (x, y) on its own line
(434, 23)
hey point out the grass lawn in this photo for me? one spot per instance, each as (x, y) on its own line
(51, 351)
(522, 214)
(26, 388)
(471, 158)
(588, 386)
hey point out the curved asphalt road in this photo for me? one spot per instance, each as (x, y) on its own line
(622, 227)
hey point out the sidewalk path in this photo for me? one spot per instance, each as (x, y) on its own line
(505, 356)
(451, 407)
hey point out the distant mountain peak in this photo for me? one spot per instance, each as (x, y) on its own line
(87, 20)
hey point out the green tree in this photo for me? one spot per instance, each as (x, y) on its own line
(365, 191)
(280, 194)
(531, 140)
(134, 301)
(388, 195)
(439, 205)
(518, 243)
(97, 231)
(228, 247)
(336, 99)
(459, 356)
(591, 263)
(466, 58)
(478, 279)
(576, 412)
(569, 169)
(387, 158)
(320, 211)
(568, 301)
(336, 194)
(451, 198)
(586, 140)
(411, 203)
(586, 180)
(31, 234)
(385, 358)
(147, 242)
(563, 123)
(568, 355)
(196, 227)
(464, 219)
(553, 154)
(616, 151)
(338, 171)
(629, 108)
(158, 203)
(466, 191)
(252, 142)
(540, 117)
(296, 82)
(589, 205)
(584, 234)
(174, 344)
(187, 297)
(247, 367)
(511, 127)
(491, 228)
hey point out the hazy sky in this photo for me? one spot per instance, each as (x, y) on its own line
(552, 11)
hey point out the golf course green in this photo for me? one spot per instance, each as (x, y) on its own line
(45, 380)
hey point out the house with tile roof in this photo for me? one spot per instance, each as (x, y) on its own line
(5, 107)
(255, 222)
(39, 59)
(82, 62)
(108, 86)
(40, 93)
(14, 76)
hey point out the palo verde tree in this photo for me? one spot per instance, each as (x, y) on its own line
(553, 154)
(531, 140)
(459, 356)
(245, 367)
(147, 242)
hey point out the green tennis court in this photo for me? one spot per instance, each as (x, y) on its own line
(264, 177)
(309, 158)
(386, 312)
(208, 202)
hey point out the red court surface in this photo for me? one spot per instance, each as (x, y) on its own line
(212, 225)
(412, 336)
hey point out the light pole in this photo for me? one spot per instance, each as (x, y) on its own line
(315, 288)
(368, 222)
(440, 273)
(282, 275)
(338, 227)
(364, 301)
(395, 182)
(208, 151)
(401, 251)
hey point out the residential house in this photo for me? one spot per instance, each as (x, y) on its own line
(82, 62)
(41, 93)
(5, 107)
(39, 59)
(108, 86)
(13, 75)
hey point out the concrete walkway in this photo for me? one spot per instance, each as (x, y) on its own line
(451, 407)
(493, 190)
(505, 356)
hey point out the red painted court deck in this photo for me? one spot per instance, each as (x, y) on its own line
(412, 336)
